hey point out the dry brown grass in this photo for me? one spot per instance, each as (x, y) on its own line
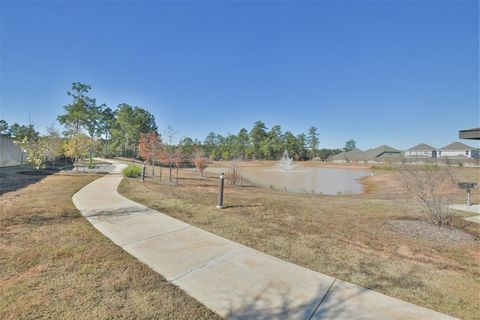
(348, 237)
(54, 264)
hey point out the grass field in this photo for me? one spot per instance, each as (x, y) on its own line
(55, 265)
(350, 237)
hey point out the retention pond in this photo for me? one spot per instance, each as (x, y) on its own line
(299, 179)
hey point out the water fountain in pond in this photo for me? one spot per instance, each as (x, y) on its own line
(285, 162)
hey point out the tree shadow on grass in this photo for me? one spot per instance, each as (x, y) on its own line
(43, 218)
(12, 179)
(65, 217)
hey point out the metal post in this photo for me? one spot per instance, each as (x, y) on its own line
(468, 197)
(143, 172)
(220, 191)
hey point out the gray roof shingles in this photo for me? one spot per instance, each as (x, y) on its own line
(457, 146)
(422, 147)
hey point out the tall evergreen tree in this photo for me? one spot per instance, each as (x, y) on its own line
(313, 141)
(4, 128)
(76, 114)
(290, 144)
(257, 136)
(349, 145)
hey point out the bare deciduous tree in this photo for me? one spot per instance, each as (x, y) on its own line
(169, 149)
(233, 173)
(178, 162)
(431, 188)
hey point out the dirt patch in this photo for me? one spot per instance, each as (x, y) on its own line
(429, 232)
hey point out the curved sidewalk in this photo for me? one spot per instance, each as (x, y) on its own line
(233, 280)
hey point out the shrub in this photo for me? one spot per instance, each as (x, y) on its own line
(431, 187)
(132, 171)
(201, 164)
(233, 175)
(35, 150)
(91, 163)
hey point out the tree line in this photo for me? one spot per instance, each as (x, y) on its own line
(130, 131)
(263, 143)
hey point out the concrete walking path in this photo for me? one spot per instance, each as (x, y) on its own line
(235, 281)
(474, 208)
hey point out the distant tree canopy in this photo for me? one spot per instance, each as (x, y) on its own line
(262, 143)
(125, 129)
(21, 131)
(131, 131)
(4, 128)
(130, 123)
(119, 129)
(349, 145)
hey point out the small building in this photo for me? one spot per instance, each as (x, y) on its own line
(380, 153)
(421, 150)
(458, 150)
(347, 156)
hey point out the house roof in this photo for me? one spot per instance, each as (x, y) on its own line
(354, 150)
(345, 154)
(422, 147)
(457, 146)
(371, 153)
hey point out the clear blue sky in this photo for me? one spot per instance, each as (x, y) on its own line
(380, 72)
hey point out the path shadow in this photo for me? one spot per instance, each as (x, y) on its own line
(242, 206)
(341, 301)
(262, 306)
(118, 212)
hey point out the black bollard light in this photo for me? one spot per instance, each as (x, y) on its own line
(220, 191)
(468, 198)
(143, 172)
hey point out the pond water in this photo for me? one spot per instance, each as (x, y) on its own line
(298, 179)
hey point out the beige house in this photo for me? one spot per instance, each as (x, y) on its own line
(421, 150)
(458, 150)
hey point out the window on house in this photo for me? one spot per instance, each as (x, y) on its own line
(466, 153)
(439, 152)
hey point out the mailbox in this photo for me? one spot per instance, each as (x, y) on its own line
(467, 186)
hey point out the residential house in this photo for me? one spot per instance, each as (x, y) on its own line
(421, 150)
(458, 150)
(381, 153)
(347, 156)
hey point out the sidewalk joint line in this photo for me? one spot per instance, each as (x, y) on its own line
(323, 299)
(210, 262)
(155, 236)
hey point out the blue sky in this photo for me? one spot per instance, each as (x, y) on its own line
(379, 72)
